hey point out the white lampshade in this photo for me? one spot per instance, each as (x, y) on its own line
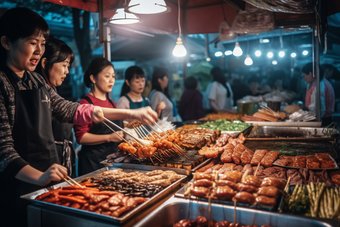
(147, 6)
(179, 50)
(122, 17)
(237, 50)
(248, 61)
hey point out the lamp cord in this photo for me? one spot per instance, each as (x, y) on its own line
(179, 19)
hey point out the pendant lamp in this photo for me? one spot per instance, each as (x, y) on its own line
(122, 17)
(147, 6)
(237, 52)
(179, 50)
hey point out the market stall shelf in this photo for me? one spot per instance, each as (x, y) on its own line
(128, 215)
(176, 209)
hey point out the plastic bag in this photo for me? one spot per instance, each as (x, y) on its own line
(225, 31)
(285, 6)
(253, 21)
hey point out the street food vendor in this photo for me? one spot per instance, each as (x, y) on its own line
(133, 87)
(97, 140)
(53, 67)
(326, 94)
(27, 104)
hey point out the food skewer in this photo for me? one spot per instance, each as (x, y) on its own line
(68, 181)
(144, 142)
(75, 182)
(117, 134)
(258, 166)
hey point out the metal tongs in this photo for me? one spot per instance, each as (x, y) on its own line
(144, 142)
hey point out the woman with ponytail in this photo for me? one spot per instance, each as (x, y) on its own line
(97, 140)
(219, 92)
(131, 94)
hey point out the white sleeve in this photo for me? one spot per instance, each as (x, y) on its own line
(155, 99)
(123, 103)
(213, 92)
(312, 103)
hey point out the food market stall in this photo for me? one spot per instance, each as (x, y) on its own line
(229, 180)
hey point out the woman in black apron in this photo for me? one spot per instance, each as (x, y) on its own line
(131, 94)
(97, 140)
(28, 154)
(54, 68)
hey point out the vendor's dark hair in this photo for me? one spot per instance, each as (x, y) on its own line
(190, 83)
(160, 73)
(336, 72)
(129, 74)
(55, 51)
(95, 67)
(308, 68)
(19, 23)
(218, 76)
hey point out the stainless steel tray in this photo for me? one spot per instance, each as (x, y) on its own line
(176, 209)
(180, 194)
(292, 133)
(290, 167)
(127, 167)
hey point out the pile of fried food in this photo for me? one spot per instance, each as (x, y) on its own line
(92, 199)
(218, 116)
(161, 145)
(317, 161)
(203, 222)
(238, 187)
(315, 200)
(194, 138)
(155, 177)
(265, 114)
(134, 123)
(112, 192)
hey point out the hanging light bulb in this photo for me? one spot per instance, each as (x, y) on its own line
(122, 17)
(237, 50)
(248, 61)
(179, 50)
(147, 6)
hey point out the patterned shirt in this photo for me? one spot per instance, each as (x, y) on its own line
(10, 161)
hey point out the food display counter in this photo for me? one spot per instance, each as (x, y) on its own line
(265, 155)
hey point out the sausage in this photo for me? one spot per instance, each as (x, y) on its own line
(222, 224)
(106, 206)
(113, 208)
(98, 198)
(119, 211)
(200, 192)
(269, 191)
(244, 197)
(85, 206)
(199, 176)
(266, 201)
(229, 183)
(209, 165)
(123, 202)
(44, 195)
(252, 180)
(203, 183)
(272, 181)
(97, 206)
(66, 204)
(139, 200)
(234, 176)
(72, 199)
(247, 188)
(76, 205)
(106, 213)
(223, 192)
(51, 200)
(109, 193)
(115, 200)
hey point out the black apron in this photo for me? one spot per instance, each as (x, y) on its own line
(62, 133)
(90, 156)
(34, 142)
(137, 105)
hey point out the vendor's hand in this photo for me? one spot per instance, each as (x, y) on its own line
(146, 115)
(115, 138)
(97, 114)
(56, 172)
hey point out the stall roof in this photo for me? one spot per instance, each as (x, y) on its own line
(198, 16)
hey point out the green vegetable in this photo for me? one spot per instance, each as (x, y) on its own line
(224, 125)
